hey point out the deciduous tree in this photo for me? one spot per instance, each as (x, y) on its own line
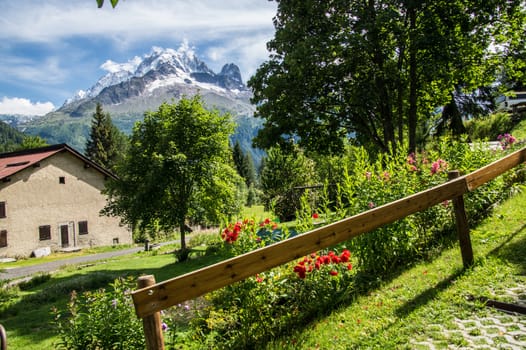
(176, 166)
(374, 70)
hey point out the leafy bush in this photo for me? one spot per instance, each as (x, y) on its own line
(35, 281)
(249, 313)
(101, 320)
(489, 127)
(283, 171)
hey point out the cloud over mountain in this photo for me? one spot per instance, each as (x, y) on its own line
(23, 106)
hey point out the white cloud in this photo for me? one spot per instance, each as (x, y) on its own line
(129, 66)
(247, 52)
(24, 106)
(54, 20)
(47, 71)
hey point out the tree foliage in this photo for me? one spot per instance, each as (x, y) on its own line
(100, 3)
(176, 168)
(374, 70)
(244, 164)
(282, 172)
(106, 144)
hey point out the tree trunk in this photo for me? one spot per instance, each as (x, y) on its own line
(413, 82)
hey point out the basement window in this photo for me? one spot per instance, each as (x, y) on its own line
(61, 180)
(3, 238)
(83, 227)
(44, 232)
(2, 210)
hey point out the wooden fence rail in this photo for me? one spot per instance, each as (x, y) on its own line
(152, 299)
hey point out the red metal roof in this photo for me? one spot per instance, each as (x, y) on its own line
(15, 163)
(11, 163)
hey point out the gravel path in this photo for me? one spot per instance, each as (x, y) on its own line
(20, 272)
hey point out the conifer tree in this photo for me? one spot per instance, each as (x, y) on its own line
(105, 144)
(237, 156)
(249, 171)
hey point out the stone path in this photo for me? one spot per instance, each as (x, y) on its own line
(494, 329)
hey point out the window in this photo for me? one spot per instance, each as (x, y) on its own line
(3, 238)
(44, 232)
(2, 210)
(61, 180)
(83, 227)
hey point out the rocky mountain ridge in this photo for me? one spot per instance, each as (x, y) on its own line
(130, 89)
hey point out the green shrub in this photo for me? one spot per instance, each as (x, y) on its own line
(35, 281)
(489, 127)
(103, 319)
(248, 314)
(7, 292)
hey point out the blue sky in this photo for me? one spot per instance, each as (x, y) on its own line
(51, 49)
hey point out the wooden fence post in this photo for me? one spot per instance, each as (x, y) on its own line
(462, 225)
(3, 338)
(152, 325)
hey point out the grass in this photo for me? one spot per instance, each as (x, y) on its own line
(257, 212)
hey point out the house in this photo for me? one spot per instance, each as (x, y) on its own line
(50, 199)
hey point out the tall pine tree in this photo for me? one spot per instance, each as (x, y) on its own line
(105, 145)
(244, 164)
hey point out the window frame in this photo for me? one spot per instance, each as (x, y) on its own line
(3, 211)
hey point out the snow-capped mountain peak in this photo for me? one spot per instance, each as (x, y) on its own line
(168, 66)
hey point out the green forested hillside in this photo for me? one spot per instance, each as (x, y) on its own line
(10, 138)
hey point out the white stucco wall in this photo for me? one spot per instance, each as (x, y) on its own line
(34, 197)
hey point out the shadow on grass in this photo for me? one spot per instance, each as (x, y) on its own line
(428, 295)
(513, 252)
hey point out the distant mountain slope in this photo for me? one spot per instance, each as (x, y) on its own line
(164, 75)
(10, 137)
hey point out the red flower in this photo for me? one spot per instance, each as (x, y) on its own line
(300, 270)
(349, 266)
(334, 273)
(259, 279)
(345, 255)
(315, 216)
(335, 259)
